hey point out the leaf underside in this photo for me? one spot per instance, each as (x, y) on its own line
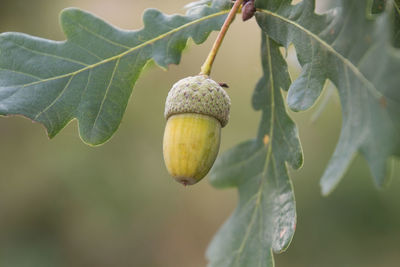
(90, 76)
(352, 47)
(265, 218)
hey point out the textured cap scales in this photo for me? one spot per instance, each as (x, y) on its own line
(198, 94)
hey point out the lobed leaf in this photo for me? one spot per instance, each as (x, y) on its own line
(265, 219)
(353, 49)
(90, 76)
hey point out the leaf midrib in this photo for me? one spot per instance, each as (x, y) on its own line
(267, 159)
(127, 52)
(345, 61)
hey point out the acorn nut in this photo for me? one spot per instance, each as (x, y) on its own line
(196, 108)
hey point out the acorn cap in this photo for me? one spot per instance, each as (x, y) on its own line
(198, 94)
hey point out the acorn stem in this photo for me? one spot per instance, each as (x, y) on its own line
(206, 68)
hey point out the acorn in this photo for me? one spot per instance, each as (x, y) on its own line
(196, 109)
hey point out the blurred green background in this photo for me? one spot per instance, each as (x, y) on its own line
(63, 203)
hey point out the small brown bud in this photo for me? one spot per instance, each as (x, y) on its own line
(248, 10)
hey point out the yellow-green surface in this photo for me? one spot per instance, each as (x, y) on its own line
(63, 203)
(191, 144)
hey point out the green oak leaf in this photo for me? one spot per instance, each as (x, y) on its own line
(354, 51)
(265, 219)
(90, 76)
(396, 23)
(378, 6)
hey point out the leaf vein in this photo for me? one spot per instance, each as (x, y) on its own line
(88, 51)
(347, 62)
(56, 99)
(51, 55)
(106, 94)
(23, 73)
(267, 160)
(102, 37)
(119, 56)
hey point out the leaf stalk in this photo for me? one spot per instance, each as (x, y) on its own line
(206, 68)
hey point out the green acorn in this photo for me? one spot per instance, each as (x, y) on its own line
(196, 108)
